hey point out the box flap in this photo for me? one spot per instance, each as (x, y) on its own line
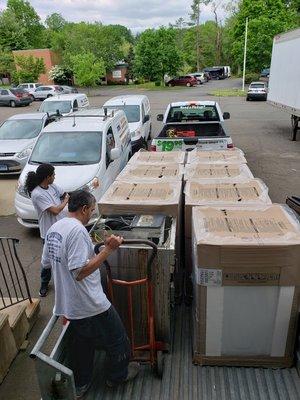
(217, 173)
(251, 192)
(151, 172)
(230, 156)
(158, 157)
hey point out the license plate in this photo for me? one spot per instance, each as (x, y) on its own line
(3, 167)
(212, 144)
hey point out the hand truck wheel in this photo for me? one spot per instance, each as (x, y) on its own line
(160, 363)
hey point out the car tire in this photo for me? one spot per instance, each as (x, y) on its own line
(188, 84)
(170, 84)
(12, 103)
(49, 95)
(32, 97)
(247, 99)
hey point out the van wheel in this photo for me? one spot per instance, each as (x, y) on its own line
(12, 103)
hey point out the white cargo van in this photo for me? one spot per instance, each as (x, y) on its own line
(64, 103)
(88, 150)
(137, 110)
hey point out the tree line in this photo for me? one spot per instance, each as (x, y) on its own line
(88, 50)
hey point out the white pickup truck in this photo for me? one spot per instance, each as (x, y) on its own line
(192, 124)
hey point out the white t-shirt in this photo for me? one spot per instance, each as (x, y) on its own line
(68, 247)
(42, 199)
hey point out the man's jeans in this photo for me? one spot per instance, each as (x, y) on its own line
(107, 331)
(45, 272)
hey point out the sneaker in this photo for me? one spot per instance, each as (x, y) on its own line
(133, 370)
(43, 290)
(81, 391)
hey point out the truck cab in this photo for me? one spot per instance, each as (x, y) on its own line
(192, 124)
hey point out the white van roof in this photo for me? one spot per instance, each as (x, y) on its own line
(84, 120)
(67, 97)
(130, 99)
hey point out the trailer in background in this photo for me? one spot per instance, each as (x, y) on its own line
(284, 81)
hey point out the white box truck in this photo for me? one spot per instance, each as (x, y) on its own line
(284, 81)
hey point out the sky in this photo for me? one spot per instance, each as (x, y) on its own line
(136, 15)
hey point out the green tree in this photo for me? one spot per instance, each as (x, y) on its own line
(7, 65)
(266, 19)
(87, 69)
(28, 69)
(156, 54)
(29, 20)
(195, 20)
(12, 33)
(55, 22)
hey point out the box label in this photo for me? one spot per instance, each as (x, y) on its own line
(209, 277)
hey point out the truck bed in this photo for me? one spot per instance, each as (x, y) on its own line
(182, 380)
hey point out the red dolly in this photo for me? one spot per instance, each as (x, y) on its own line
(155, 348)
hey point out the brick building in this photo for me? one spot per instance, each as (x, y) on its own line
(118, 74)
(50, 58)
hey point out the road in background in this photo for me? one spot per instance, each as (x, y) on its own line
(260, 130)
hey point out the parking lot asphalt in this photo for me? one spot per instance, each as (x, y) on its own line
(260, 130)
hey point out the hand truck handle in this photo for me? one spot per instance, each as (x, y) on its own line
(136, 241)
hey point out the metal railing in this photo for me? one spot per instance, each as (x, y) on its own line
(13, 281)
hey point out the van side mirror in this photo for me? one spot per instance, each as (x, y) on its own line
(146, 118)
(226, 115)
(115, 153)
(160, 117)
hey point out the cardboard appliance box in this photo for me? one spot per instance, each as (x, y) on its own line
(246, 274)
(142, 198)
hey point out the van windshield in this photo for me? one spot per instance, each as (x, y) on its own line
(68, 148)
(132, 112)
(63, 106)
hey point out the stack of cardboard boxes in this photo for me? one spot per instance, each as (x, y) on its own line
(245, 264)
(242, 252)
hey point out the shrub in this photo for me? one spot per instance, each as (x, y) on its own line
(251, 76)
(157, 83)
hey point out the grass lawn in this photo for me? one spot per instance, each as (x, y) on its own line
(228, 93)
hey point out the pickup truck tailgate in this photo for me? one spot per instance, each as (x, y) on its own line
(187, 144)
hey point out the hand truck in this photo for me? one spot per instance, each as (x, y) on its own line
(154, 347)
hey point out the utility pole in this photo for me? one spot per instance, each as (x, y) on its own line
(245, 54)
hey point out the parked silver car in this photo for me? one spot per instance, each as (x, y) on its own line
(200, 76)
(257, 91)
(14, 97)
(69, 89)
(29, 87)
(17, 137)
(43, 92)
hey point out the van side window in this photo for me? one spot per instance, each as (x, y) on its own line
(110, 144)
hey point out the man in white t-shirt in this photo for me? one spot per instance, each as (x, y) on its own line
(79, 296)
(49, 201)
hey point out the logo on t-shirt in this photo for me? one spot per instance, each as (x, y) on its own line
(54, 241)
